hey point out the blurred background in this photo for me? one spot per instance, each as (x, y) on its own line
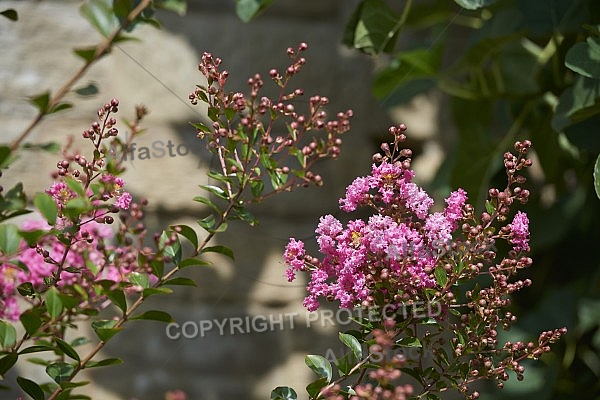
(467, 77)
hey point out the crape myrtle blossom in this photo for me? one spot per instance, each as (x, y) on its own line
(393, 252)
(520, 232)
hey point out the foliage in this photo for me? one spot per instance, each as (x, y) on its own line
(508, 70)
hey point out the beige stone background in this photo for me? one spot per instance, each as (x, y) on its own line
(159, 71)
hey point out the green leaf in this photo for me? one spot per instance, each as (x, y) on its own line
(36, 349)
(99, 14)
(597, 176)
(26, 289)
(243, 214)
(60, 371)
(47, 206)
(577, 103)
(31, 320)
(7, 362)
(87, 53)
(189, 262)
(217, 191)
(67, 349)
(352, 343)
(314, 388)
(584, 58)
(201, 127)
(54, 304)
(208, 202)
(180, 281)
(32, 237)
(86, 91)
(117, 296)
(9, 239)
(320, 366)
(5, 152)
(176, 6)
(139, 279)
(226, 251)
(41, 102)
(105, 329)
(409, 342)
(154, 315)
(186, 232)
(474, 4)
(440, 276)
(103, 363)
(60, 107)
(11, 14)
(283, 393)
(159, 290)
(248, 9)
(31, 388)
(257, 187)
(8, 335)
(373, 28)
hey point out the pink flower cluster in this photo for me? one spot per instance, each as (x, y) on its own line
(392, 252)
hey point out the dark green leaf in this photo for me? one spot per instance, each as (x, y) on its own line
(36, 349)
(219, 249)
(201, 127)
(283, 393)
(373, 28)
(8, 335)
(9, 239)
(105, 329)
(103, 363)
(41, 101)
(320, 366)
(60, 107)
(31, 320)
(26, 289)
(315, 387)
(89, 90)
(7, 362)
(67, 349)
(217, 191)
(60, 371)
(208, 202)
(249, 9)
(117, 296)
(352, 343)
(180, 281)
(158, 267)
(31, 388)
(474, 4)
(243, 214)
(54, 304)
(257, 187)
(47, 206)
(5, 152)
(31, 237)
(154, 315)
(186, 232)
(584, 58)
(87, 53)
(11, 14)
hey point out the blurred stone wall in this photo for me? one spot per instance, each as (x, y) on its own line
(159, 72)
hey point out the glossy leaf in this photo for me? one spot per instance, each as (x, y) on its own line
(47, 206)
(105, 329)
(283, 393)
(99, 14)
(117, 296)
(186, 232)
(31, 320)
(159, 290)
(372, 28)
(409, 342)
(352, 343)
(577, 103)
(7, 362)
(180, 281)
(189, 262)
(319, 365)
(315, 387)
(103, 363)
(60, 371)
(440, 276)
(139, 279)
